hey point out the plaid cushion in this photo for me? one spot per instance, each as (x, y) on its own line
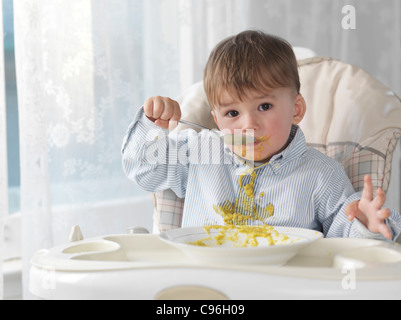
(168, 211)
(358, 161)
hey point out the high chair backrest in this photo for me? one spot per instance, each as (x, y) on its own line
(351, 117)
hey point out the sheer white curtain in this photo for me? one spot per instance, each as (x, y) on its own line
(80, 73)
(84, 67)
(3, 156)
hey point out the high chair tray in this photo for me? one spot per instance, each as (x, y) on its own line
(322, 259)
(109, 266)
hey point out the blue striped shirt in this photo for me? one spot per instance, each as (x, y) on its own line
(306, 188)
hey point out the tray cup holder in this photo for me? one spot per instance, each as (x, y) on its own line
(367, 257)
(91, 247)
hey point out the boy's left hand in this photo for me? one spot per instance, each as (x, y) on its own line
(369, 210)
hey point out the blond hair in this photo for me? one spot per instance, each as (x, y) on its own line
(251, 60)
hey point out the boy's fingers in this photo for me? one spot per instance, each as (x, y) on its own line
(385, 231)
(380, 199)
(367, 192)
(162, 110)
(158, 108)
(148, 108)
(384, 214)
(351, 210)
(162, 123)
(168, 108)
(167, 114)
(172, 125)
(176, 116)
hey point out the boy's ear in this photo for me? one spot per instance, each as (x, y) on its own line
(215, 118)
(299, 109)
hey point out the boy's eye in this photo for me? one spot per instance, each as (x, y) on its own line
(232, 114)
(265, 107)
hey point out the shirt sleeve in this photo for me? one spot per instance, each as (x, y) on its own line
(394, 223)
(150, 157)
(337, 195)
(335, 223)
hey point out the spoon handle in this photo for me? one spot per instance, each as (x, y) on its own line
(193, 124)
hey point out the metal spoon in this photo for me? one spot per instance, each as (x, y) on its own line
(230, 139)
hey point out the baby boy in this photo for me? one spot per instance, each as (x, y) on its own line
(252, 84)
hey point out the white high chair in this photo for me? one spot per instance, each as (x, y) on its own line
(351, 117)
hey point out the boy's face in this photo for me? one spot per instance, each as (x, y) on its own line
(267, 116)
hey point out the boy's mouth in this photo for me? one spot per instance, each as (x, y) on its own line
(239, 139)
(261, 140)
(254, 149)
(244, 140)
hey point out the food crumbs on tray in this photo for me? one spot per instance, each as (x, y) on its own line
(236, 230)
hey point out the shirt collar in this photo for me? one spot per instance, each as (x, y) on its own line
(296, 148)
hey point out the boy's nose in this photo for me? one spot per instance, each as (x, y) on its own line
(250, 123)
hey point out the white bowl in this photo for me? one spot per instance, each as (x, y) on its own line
(276, 255)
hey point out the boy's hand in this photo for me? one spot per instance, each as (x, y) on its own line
(162, 111)
(369, 210)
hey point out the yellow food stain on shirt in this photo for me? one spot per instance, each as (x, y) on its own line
(236, 229)
(248, 189)
(270, 210)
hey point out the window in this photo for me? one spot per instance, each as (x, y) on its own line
(11, 109)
